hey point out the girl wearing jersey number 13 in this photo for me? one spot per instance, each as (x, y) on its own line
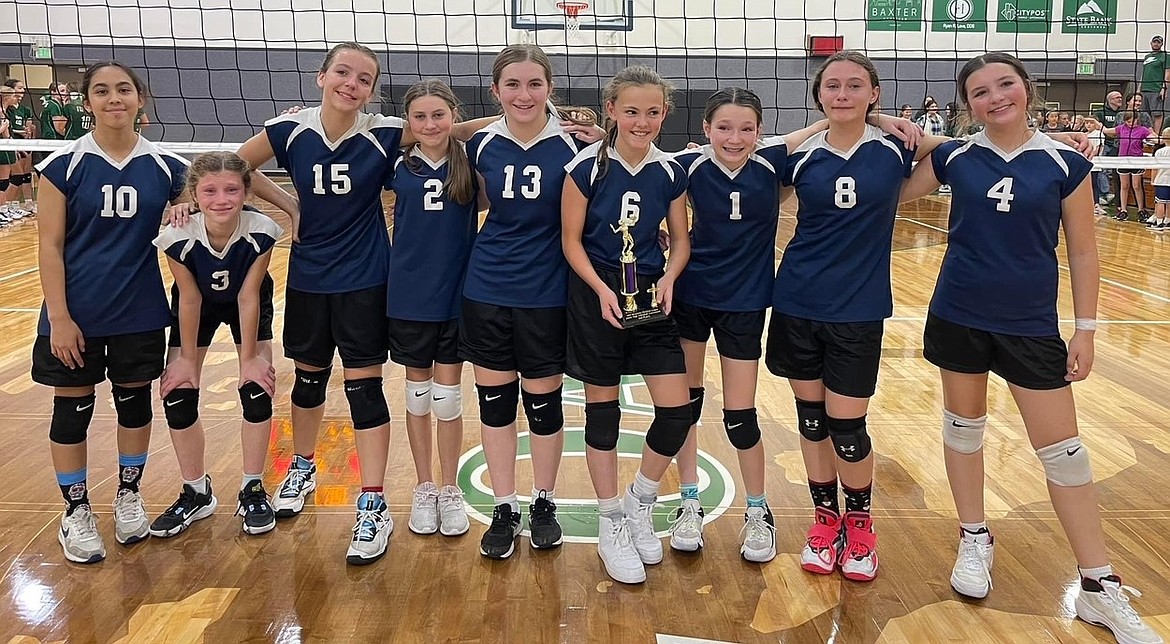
(994, 310)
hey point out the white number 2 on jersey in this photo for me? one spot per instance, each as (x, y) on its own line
(221, 280)
(845, 195)
(122, 202)
(432, 198)
(1001, 192)
(339, 183)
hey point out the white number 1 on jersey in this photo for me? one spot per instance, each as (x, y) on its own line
(1001, 192)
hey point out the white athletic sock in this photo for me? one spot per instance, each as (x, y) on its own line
(199, 485)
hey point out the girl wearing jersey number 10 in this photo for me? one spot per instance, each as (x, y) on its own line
(735, 188)
(339, 159)
(512, 326)
(994, 309)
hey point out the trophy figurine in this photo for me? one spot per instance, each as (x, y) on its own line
(632, 313)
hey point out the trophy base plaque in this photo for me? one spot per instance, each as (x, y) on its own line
(631, 319)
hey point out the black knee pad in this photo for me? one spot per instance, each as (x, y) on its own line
(256, 402)
(743, 427)
(696, 404)
(133, 406)
(850, 439)
(16, 180)
(181, 407)
(3, 184)
(602, 421)
(810, 418)
(309, 388)
(71, 416)
(669, 430)
(497, 403)
(544, 412)
(367, 403)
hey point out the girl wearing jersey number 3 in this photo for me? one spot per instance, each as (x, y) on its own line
(994, 309)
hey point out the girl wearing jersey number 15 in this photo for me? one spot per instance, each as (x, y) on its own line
(994, 310)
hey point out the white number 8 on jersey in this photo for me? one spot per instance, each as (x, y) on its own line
(846, 195)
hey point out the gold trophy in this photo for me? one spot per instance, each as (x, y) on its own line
(632, 313)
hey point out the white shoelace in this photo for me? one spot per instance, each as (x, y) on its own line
(82, 524)
(450, 501)
(972, 560)
(128, 507)
(425, 497)
(758, 530)
(293, 482)
(1119, 594)
(367, 526)
(622, 538)
(686, 520)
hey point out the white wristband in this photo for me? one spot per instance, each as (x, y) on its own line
(1086, 324)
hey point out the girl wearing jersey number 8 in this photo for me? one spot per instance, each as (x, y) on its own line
(994, 309)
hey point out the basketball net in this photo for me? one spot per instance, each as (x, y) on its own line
(572, 9)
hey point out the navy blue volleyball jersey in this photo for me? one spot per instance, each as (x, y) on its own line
(517, 258)
(220, 274)
(1000, 272)
(343, 243)
(733, 228)
(641, 194)
(113, 209)
(432, 242)
(836, 268)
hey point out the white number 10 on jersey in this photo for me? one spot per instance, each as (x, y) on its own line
(122, 202)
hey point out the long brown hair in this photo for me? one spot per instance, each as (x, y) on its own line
(220, 161)
(352, 46)
(983, 60)
(634, 75)
(532, 53)
(852, 56)
(459, 186)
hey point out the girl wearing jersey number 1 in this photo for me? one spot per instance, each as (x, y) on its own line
(620, 192)
(220, 264)
(994, 310)
(435, 214)
(101, 199)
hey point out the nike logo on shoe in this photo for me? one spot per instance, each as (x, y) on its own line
(85, 407)
(491, 398)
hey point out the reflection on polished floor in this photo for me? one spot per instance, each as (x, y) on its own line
(215, 584)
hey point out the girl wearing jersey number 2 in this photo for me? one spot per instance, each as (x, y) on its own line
(994, 310)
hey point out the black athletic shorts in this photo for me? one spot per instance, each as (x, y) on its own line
(422, 344)
(353, 323)
(134, 357)
(1028, 362)
(600, 353)
(505, 338)
(738, 334)
(843, 355)
(214, 314)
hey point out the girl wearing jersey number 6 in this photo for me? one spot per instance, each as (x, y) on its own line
(994, 309)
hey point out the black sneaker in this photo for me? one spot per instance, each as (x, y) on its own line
(1143, 215)
(254, 507)
(190, 507)
(544, 531)
(1122, 215)
(500, 539)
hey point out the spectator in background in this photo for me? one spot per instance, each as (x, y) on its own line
(1051, 122)
(927, 100)
(1155, 76)
(1131, 136)
(53, 119)
(907, 112)
(1136, 103)
(952, 119)
(1107, 116)
(1100, 177)
(931, 121)
(1078, 123)
(1065, 122)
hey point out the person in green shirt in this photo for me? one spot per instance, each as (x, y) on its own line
(80, 119)
(20, 126)
(1155, 76)
(54, 122)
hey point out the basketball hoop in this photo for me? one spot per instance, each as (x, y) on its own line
(572, 9)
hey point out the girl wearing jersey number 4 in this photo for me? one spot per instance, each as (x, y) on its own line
(434, 227)
(994, 309)
(339, 160)
(101, 199)
(220, 264)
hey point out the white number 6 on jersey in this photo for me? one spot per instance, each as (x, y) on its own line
(1001, 192)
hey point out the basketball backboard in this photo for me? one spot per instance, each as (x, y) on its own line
(598, 15)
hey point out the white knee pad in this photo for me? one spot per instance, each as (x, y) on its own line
(418, 397)
(447, 401)
(964, 435)
(1066, 463)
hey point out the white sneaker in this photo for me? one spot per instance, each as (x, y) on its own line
(640, 521)
(972, 573)
(424, 509)
(371, 531)
(79, 537)
(130, 522)
(1109, 607)
(759, 536)
(300, 481)
(686, 532)
(452, 513)
(622, 562)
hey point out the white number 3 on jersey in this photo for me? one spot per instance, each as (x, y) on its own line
(1001, 192)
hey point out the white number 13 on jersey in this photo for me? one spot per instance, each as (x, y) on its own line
(1001, 192)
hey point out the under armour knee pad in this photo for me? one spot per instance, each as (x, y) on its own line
(447, 401)
(602, 422)
(544, 412)
(133, 406)
(418, 397)
(849, 437)
(742, 426)
(497, 403)
(256, 402)
(1066, 463)
(964, 435)
(669, 430)
(696, 404)
(181, 407)
(308, 390)
(71, 416)
(810, 418)
(367, 402)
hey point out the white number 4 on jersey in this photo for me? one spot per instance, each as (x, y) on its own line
(1001, 192)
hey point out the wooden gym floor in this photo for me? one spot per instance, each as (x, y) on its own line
(215, 584)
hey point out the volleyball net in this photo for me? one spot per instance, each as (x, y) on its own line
(217, 69)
